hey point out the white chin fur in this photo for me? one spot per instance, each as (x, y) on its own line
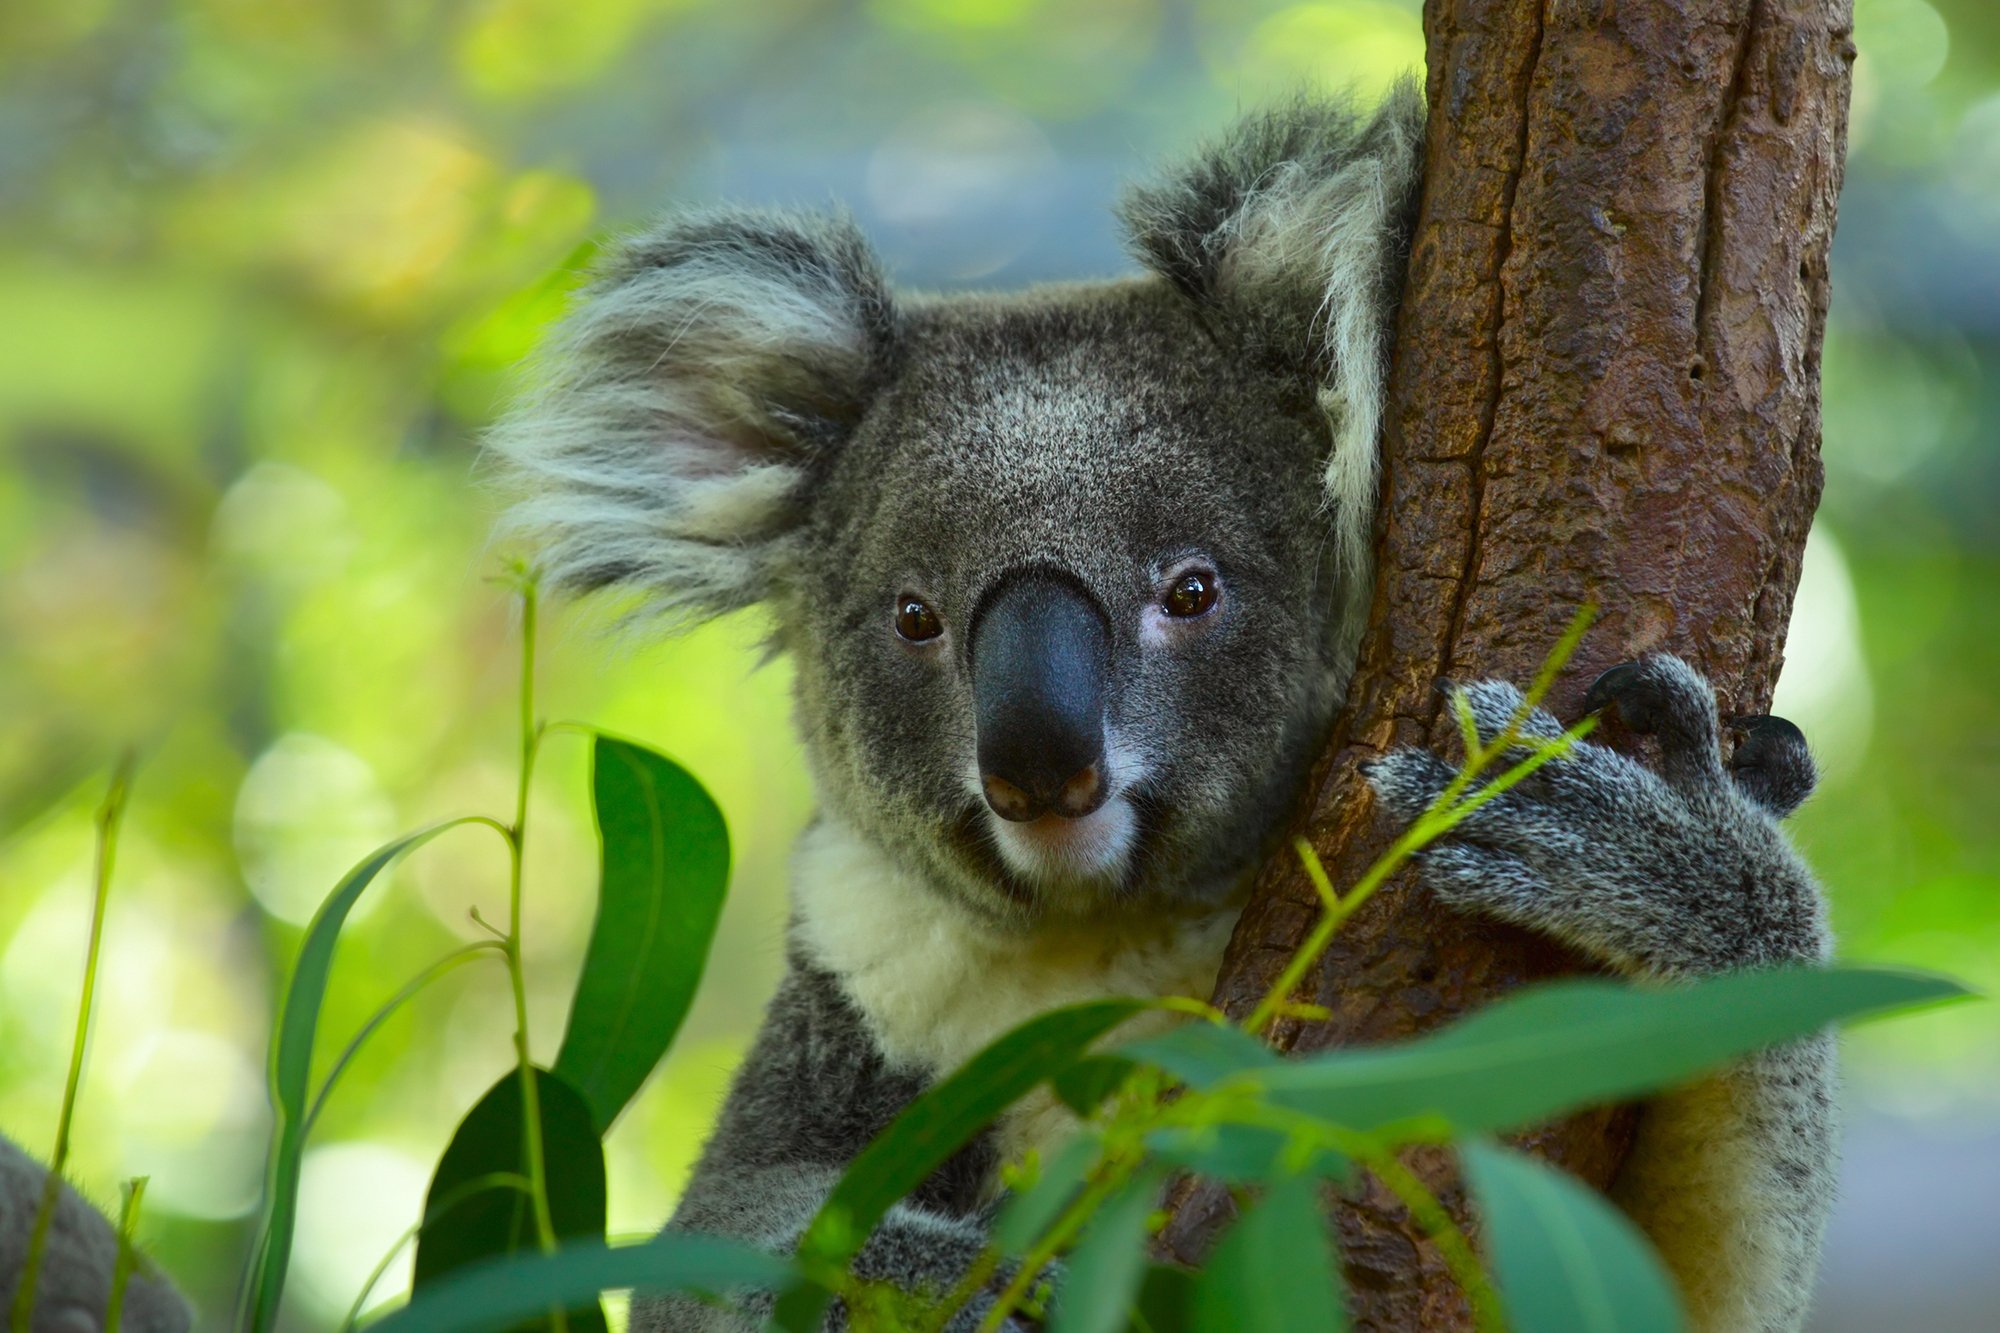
(1054, 850)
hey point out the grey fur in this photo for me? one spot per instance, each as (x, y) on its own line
(80, 1256)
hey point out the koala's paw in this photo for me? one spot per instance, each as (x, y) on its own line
(1677, 872)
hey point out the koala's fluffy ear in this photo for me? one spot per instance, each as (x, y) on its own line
(688, 396)
(1296, 224)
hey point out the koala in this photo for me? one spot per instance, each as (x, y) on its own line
(79, 1258)
(1073, 580)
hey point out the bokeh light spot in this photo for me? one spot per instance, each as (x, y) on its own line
(355, 1199)
(1363, 46)
(308, 810)
(967, 180)
(1825, 687)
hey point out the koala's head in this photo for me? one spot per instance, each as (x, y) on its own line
(1072, 577)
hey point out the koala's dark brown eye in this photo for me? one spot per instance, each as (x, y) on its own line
(915, 621)
(1192, 594)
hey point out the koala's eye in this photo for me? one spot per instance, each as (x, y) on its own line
(915, 620)
(1192, 594)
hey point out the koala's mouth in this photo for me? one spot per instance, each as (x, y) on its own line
(1043, 862)
(1056, 851)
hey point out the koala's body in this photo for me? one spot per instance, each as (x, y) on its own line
(1073, 580)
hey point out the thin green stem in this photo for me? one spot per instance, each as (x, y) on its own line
(1330, 921)
(128, 1256)
(109, 816)
(532, 1147)
(492, 1180)
(1111, 1173)
(437, 970)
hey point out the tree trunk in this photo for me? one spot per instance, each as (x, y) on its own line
(1606, 389)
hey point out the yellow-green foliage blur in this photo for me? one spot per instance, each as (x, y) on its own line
(266, 271)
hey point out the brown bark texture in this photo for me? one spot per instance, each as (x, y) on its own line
(1605, 390)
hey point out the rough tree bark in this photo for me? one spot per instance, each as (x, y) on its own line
(1606, 389)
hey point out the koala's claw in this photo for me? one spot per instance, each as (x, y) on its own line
(1659, 695)
(1606, 689)
(1773, 765)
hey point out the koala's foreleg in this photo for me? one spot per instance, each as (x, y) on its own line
(812, 1093)
(1682, 873)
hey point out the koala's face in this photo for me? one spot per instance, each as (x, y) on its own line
(1071, 577)
(1062, 618)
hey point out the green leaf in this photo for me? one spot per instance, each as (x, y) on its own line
(1241, 1154)
(1565, 1260)
(1551, 1049)
(499, 1222)
(1203, 1054)
(1032, 1211)
(1165, 1302)
(1084, 1086)
(500, 1292)
(935, 1126)
(291, 1069)
(1100, 1282)
(1274, 1271)
(665, 866)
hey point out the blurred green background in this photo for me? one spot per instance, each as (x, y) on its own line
(265, 272)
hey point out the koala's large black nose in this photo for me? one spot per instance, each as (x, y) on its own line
(1040, 654)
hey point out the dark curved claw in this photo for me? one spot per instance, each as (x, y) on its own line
(1773, 766)
(1660, 695)
(1609, 688)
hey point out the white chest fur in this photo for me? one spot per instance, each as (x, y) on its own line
(936, 984)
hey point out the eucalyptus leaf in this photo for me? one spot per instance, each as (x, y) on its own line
(1241, 1154)
(500, 1292)
(1101, 1277)
(1565, 1260)
(1165, 1303)
(1203, 1054)
(664, 867)
(935, 1126)
(1084, 1086)
(291, 1071)
(1274, 1271)
(1540, 1052)
(493, 1223)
